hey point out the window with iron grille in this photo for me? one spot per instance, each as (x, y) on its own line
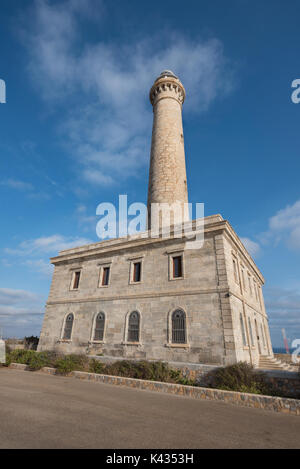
(137, 267)
(68, 327)
(177, 267)
(134, 327)
(99, 327)
(178, 327)
(105, 276)
(76, 280)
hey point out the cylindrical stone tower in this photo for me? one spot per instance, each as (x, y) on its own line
(167, 178)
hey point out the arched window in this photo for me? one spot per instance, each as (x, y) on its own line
(134, 327)
(99, 327)
(178, 327)
(68, 327)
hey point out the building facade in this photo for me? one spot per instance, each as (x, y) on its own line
(151, 298)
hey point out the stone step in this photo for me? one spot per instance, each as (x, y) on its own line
(269, 363)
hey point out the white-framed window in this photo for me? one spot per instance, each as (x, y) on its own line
(250, 284)
(133, 333)
(235, 271)
(260, 296)
(178, 327)
(243, 277)
(176, 265)
(250, 332)
(68, 327)
(136, 270)
(99, 327)
(255, 289)
(105, 273)
(263, 335)
(244, 338)
(75, 279)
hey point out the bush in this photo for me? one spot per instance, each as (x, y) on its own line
(21, 356)
(69, 363)
(96, 367)
(240, 377)
(40, 359)
(152, 371)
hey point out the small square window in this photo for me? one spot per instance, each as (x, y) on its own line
(105, 276)
(177, 267)
(76, 280)
(137, 268)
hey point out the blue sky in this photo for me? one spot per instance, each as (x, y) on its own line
(76, 131)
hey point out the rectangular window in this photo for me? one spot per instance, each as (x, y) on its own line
(250, 286)
(105, 276)
(243, 277)
(76, 280)
(236, 276)
(243, 331)
(177, 266)
(137, 268)
(251, 332)
(260, 296)
(255, 290)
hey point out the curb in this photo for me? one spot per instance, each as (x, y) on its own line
(274, 404)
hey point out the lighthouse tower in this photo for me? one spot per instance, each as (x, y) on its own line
(167, 177)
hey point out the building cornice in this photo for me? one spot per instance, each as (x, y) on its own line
(213, 224)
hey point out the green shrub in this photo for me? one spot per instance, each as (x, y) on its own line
(41, 359)
(95, 366)
(240, 377)
(69, 363)
(152, 371)
(21, 356)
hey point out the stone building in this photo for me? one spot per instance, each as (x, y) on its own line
(151, 298)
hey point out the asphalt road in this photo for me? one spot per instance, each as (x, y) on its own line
(41, 411)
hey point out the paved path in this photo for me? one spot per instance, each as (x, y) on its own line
(41, 411)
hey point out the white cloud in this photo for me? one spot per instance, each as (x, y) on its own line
(40, 265)
(108, 126)
(285, 225)
(252, 247)
(21, 312)
(47, 245)
(18, 185)
(86, 222)
(283, 307)
(34, 253)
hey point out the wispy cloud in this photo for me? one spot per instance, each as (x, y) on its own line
(21, 312)
(108, 126)
(86, 221)
(34, 253)
(252, 247)
(17, 184)
(283, 227)
(283, 306)
(47, 245)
